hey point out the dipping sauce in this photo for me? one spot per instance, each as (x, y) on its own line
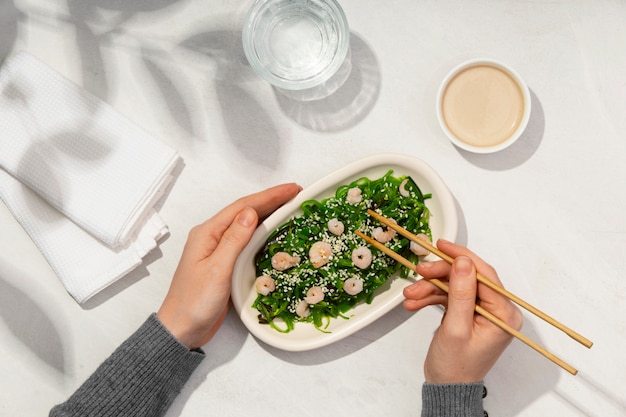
(482, 105)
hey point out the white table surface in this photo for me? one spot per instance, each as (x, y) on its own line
(548, 213)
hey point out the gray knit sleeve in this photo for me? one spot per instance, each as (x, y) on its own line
(458, 400)
(141, 378)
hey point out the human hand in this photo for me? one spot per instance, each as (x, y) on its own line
(198, 299)
(466, 345)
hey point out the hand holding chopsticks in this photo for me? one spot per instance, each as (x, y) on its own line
(486, 282)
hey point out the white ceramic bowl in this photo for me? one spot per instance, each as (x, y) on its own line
(483, 112)
(443, 223)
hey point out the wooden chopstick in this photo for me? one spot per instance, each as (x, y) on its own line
(574, 335)
(495, 320)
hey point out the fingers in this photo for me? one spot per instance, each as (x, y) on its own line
(197, 301)
(423, 293)
(489, 299)
(236, 237)
(204, 238)
(419, 303)
(453, 250)
(430, 270)
(461, 297)
(462, 286)
(264, 202)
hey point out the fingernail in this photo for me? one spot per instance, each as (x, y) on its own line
(247, 217)
(408, 292)
(462, 265)
(425, 265)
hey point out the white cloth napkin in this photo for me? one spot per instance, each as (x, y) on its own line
(81, 179)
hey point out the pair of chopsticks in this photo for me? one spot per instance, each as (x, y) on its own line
(495, 320)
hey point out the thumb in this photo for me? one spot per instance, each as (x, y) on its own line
(461, 296)
(237, 236)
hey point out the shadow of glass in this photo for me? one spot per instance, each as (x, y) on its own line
(31, 325)
(520, 151)
(347, 106)
(9, 17)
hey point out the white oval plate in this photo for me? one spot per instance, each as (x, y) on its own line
(443, 223)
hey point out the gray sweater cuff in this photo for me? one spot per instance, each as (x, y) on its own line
(141, 378)
(458, 400)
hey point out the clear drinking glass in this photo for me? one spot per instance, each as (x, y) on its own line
(302, 47)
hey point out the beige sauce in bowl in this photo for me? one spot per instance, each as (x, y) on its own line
(482, 105)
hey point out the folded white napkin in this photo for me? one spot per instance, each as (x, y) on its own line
(81, 179)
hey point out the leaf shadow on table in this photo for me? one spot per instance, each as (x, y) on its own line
(9, 17)
(92, 43)
(250, 128)
(520, 151)
(32, 326)
(347, 106)
(173, 94)
(46, 150)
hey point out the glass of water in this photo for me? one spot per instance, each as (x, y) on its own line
(302, 47)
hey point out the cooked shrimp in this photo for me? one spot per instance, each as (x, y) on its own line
(384, 235)
(335, 227)
(282, 261)
(354, 195)
(362, 257)
(302, 309)
(320, 254)
(314, 295)
(353, 286)
(402, 188)
(417, 249)
(264, 284)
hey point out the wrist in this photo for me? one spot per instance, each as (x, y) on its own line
(175, 327)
